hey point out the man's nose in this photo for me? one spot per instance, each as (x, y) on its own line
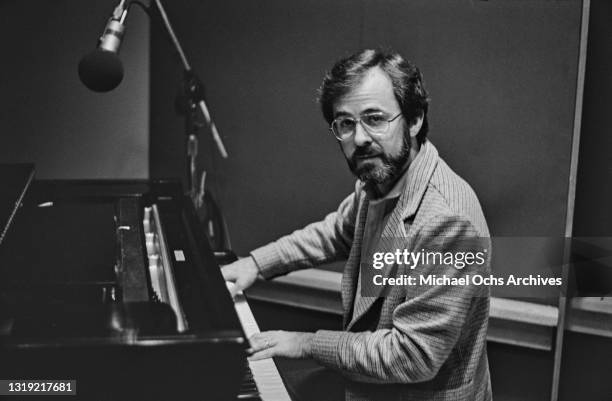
(361, 136)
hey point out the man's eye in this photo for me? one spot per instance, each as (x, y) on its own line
(374, 120)
(346, 123)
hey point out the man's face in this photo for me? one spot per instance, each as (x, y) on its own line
(376, 159)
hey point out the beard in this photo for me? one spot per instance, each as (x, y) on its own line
(371, 172)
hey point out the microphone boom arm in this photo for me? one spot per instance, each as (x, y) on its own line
(200, 102)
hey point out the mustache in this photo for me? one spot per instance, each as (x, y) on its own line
(365, 152)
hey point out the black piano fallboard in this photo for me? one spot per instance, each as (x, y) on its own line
(77, 301)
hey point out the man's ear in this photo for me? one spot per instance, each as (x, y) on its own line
(416, 126)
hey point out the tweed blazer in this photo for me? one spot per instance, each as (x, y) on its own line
(416, 343)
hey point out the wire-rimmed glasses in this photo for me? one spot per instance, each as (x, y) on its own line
(376, 124)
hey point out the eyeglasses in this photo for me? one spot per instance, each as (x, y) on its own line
(376, 124)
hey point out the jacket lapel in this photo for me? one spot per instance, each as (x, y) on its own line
(419, 174)
(351, 269)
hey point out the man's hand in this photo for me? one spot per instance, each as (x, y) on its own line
(288, 344)
(242, 273)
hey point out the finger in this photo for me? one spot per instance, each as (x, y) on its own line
(229, 274)
(264, 340)
(242, 283)
(259, 342)
(264, 354)
(235, 277)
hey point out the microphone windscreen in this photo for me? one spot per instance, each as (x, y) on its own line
(101, 70)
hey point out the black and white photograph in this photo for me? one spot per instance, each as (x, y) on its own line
(306, 200)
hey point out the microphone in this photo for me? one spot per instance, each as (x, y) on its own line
(102, 70)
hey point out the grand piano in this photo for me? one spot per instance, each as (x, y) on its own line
(113, 284)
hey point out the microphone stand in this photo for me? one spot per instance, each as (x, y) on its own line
(194, 94)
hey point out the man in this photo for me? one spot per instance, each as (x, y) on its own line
(410, 342)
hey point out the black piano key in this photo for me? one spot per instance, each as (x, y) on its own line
(248, 388)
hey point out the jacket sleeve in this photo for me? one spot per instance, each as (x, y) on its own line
(425, 326)
(325, 241)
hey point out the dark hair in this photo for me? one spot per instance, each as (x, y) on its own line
(406, 79)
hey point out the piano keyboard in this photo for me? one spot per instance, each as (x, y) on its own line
(264, 372)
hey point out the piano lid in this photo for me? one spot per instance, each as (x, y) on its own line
(15, 179)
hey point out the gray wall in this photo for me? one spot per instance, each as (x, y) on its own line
(47, 116)
(501, 75)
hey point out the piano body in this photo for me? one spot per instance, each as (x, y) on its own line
(113, 284)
